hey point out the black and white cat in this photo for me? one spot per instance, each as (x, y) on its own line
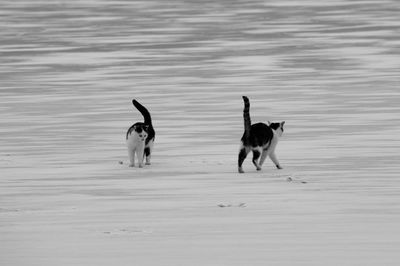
(259, 138)
(140, 138)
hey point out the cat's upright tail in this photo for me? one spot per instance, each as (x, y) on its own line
(246, 116)
(143, 111)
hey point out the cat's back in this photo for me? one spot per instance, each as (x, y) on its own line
(260, 134)
(261, 130)
(259, 127)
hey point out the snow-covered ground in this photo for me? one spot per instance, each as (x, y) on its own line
(71, 68)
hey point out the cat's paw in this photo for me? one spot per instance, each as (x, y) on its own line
(240, 170)
(141, 165)
(258, 168)
(148, 163)
(278, 166)
(131, 165)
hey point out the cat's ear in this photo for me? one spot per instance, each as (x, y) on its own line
(269, 123)
(282, 123)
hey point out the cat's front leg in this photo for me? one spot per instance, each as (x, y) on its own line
(275, 160)
(256, 156)
(140, 155)
(131, 153)
(242, 155)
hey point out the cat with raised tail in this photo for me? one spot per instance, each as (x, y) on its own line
(140, 138)
(259, 138)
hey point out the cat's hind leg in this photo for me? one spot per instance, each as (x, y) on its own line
(256, 156)
(242, 155)
(147, 152)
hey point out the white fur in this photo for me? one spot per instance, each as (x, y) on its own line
(270, 150)
(136, 145)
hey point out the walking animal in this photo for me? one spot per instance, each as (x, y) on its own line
(259, 138)
(140, 138)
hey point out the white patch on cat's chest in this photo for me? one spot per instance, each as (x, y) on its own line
(135, 139)
(136, 143)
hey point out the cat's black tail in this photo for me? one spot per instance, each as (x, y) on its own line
(246, 116)
(143, 111)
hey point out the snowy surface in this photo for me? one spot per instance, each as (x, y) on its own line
(71, 68)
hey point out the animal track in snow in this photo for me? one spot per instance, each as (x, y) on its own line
(126, 231)
(224, 205)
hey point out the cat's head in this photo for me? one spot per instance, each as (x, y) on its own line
(141, 131)
(278, 127)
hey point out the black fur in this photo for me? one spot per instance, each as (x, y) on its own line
(242, 155)
(138, 127)
(146, 152)
(147, 125)
(246, 116)
(275, 126)
(143, 111)
(260, 134)
(256, 156)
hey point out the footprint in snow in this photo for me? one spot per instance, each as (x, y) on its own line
(291, 179)
(240, 205)
(125, 231)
